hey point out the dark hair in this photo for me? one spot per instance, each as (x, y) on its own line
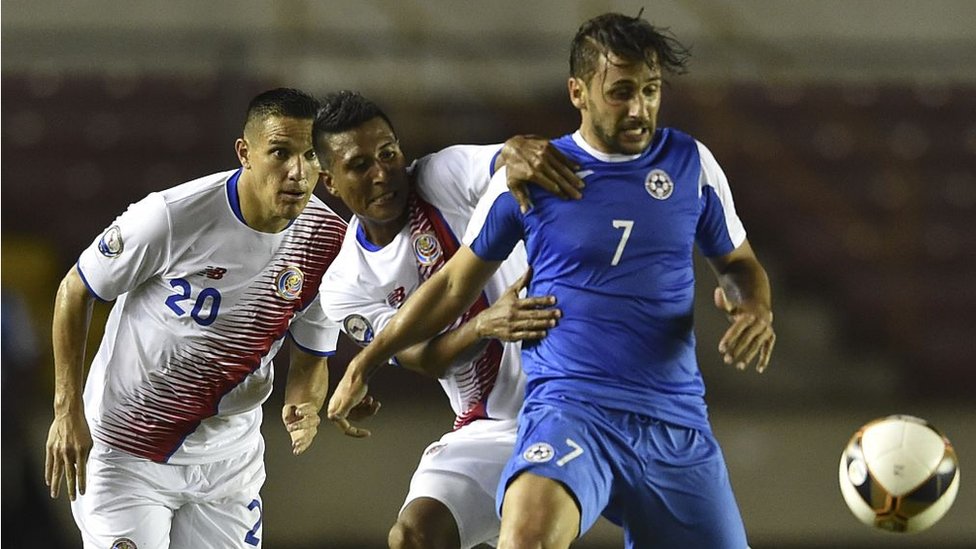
(629, 38)
(341, 111)
(284, 102)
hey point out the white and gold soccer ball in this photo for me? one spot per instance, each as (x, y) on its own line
(899, 473)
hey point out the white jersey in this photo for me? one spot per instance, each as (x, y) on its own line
(367, 284)
(203, 303)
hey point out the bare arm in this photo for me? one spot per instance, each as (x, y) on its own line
(744, 294)
(510, 318)
(305, 391)
(69, 440)
(437, 303)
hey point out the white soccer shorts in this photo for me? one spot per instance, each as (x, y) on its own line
(134, 503)
(461, 470)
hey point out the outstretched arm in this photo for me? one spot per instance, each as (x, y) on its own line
(435, 304)
(744, 295)
(69, 440)
(510, 318)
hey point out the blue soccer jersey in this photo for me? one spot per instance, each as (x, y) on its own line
(619, 262)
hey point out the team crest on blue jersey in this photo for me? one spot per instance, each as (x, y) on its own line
(289, 282)
(124, 543)
(359, 329)
(540, 452)
(111, 244)
(659, 184)
(427, 248)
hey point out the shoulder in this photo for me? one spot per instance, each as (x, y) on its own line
(455, 167)
(199, 188)
(319, 229)
(318, 210)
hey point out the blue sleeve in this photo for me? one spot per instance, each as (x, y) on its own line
(501, 231)
(712, 234)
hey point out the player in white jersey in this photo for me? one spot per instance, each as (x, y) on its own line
(406, 226)
(208, 278)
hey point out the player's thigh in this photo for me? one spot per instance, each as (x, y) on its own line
(538, 512)
(686, 497)
(234, 523)
(125, 503)
(225, 510)
(460, 476)
(568, 445)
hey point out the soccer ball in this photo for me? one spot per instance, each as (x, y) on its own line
(899, 474)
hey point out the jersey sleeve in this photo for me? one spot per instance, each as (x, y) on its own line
(314, 332)
(719, 231)
(356, 306)
(456, 177)
(496, 226)
(130, 251)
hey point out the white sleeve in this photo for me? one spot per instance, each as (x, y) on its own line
(497, 185)
(456, 177)
(713, 177)
(359, 309)
(314, 332)
(130, 251)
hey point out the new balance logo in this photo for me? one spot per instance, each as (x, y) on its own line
(215, 273)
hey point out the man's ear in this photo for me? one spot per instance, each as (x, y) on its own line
(577, 92)
(326, 178)
(242, 151)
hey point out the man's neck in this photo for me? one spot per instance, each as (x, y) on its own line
(381, 234)
(254, 215)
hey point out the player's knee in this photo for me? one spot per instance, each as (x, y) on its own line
(406, 535)
(528, 534)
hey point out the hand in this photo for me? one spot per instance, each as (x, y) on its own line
(348, 395)
(533, 158)
(302, 423)
(68, 444)
(366, 409)
(512, 318)
(750, 336)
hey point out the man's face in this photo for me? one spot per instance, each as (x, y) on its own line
(366, 169)
(278, 153)
(619, 105)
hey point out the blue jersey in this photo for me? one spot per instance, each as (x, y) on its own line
(619, 262)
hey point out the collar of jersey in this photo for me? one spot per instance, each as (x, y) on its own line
(602, 156)
(364, 240)
(234, 198)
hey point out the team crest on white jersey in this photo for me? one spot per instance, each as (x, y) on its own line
(427, 248)
(359, 329)
(289, 282)
(434, 449)
(659, 184)
(111, 244)
(540, 452)
(124, 543)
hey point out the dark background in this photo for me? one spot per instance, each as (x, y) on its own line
(846, 130)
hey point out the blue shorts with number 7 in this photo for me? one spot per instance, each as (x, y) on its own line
(666, 485)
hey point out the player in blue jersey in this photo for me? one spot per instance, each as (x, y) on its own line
(614, 420)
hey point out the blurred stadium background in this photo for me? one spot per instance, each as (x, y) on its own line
(847, 130)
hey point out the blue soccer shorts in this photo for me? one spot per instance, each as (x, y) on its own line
(665, 484)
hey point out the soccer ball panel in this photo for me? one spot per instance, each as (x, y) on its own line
(899, 474)
(901, 454)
